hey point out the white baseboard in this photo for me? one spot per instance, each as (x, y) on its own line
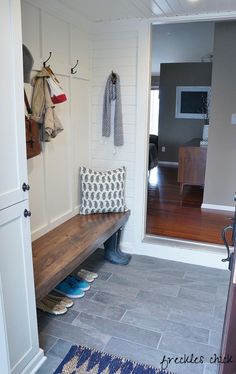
(195, 253)
(168, 163)
(218, 207)
(35, 363)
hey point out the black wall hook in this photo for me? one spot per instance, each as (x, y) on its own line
(72, 69)
(113, 77)
(44, 63)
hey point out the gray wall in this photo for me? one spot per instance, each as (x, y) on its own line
(181, 42)
(220, 183)
(173, 132)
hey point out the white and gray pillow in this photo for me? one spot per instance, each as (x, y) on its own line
(102, 192)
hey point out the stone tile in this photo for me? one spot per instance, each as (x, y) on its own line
(132, 304)
(221, 301)
(201, 286)
(104, 275)
(114, 288)
(211, 369)
(177, 364)
(193, 294)
(68, 317)
(208, 271)
(145, 259)
(89, 294)
(215, 338)
(77, 335)
(99, 309)
(166, 327)
(50, 365)
(143, 284)
(148, 356)
(197, 319)
(220, 311)
(133, 351)
(223, 290)
(177, 303)
(118, 329)
(221, 279)
(46, 341)
(168, 279)
(182, 320)
(181, 346)
(60, 349)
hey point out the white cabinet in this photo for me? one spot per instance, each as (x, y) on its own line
(5, 364)
(19, 347)
(16, 274)
(13, 172)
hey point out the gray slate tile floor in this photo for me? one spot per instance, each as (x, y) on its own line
(143, 311)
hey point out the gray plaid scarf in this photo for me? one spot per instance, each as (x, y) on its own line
(112, 92)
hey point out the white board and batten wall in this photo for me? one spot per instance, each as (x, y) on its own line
(54, 174)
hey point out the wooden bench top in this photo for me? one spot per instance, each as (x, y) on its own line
(57, 253)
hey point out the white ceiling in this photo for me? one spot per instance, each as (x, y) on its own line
(101, 10)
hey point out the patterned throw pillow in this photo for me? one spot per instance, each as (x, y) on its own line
(102, 192)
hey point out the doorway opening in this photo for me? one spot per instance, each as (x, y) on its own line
(182, 66)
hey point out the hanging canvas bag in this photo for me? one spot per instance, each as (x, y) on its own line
(57, 94)
(33, 145)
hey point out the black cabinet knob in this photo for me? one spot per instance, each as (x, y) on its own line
(25, 187)
(27, 213)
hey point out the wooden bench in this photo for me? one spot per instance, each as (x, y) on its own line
(60, 251)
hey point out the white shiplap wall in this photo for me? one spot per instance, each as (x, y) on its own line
(116, 47)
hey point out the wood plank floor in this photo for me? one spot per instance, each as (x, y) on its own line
(172, 215)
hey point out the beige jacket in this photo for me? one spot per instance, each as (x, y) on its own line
(43, 108)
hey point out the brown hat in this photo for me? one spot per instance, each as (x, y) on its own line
(28, 62)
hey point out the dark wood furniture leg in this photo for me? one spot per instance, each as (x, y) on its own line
(113, 252)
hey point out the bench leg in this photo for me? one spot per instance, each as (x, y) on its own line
(113, 252)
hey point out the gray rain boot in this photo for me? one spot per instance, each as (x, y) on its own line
(113, 253)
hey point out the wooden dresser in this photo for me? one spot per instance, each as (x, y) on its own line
(192, 164)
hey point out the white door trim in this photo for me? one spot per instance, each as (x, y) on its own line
(143, 87)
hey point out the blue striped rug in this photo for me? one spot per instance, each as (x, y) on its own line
(82, 360)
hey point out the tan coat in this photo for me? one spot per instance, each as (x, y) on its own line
(43, 108)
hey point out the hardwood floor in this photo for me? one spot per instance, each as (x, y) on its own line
(180, 216)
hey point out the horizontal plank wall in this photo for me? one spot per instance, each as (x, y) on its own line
(54, 175)
(116, 48)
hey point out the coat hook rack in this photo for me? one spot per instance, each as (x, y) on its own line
(44, 63)
(72, 69)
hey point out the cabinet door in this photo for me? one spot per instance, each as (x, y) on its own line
(16, 273)
(5, 366)
(12, 134)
